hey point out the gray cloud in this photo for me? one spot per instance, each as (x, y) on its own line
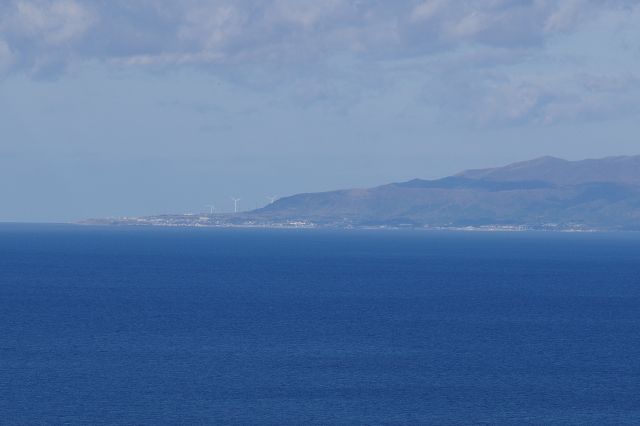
(501, 99)
(6, 56)
(45, 23)
(164, 32)
(264, 43)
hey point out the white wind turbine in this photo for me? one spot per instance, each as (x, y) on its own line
(212, 208)
(235, 204)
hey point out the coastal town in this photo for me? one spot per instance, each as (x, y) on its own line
(246, 220)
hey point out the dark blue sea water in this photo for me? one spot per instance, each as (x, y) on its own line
(197, 326)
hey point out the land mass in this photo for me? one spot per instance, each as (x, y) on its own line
(546, 193)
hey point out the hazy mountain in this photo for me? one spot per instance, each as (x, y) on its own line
(547, 193)
(563, 172)
(601, 193)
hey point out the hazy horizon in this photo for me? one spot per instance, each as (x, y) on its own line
(132, 107)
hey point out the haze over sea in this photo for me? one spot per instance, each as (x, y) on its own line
(187, 326)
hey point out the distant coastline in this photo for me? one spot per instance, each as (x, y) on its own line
(545, 194)
(184, 221)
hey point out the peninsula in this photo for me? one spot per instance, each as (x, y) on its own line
(543, 194)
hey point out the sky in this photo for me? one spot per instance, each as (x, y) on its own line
(135, 107)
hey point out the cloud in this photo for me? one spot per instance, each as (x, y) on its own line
(462, 49)
(501, 99)
(166, 32)
(51, 24)
(6, 56)
(43, 33)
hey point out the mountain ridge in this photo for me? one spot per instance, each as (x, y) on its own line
(601, 193)
(543, 193)
(557, 170)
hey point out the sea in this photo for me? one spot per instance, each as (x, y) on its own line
(195, 326)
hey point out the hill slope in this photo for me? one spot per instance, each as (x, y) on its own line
(563, 172)
(591, 193)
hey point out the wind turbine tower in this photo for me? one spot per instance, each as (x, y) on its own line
(271, 198)
(235, 204)
(212, 208)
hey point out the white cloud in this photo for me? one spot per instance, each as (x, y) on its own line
(43, 35)
(266, 42)
(6, 56)
(566, 15)
(279, 30)
(305, 13)
(427, 10)
(212, 28)
(501, 99)
(47, 22)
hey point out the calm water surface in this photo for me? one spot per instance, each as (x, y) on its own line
(197, 326)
